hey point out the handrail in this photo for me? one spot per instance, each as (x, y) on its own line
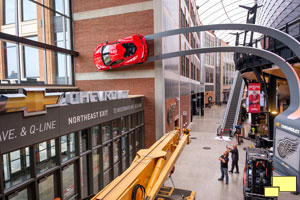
(229, 99)
(293, 111)
(238, 108)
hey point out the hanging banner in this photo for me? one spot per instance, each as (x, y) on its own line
(254, 97)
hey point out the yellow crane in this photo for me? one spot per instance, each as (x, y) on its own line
(145, 177)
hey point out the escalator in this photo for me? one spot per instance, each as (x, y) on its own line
(233, 106)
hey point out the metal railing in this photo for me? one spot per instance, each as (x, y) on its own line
(238, 108)
(229, 99)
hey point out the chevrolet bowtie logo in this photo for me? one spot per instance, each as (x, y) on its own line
(32, 100)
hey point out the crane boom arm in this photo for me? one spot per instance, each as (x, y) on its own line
(148, 170)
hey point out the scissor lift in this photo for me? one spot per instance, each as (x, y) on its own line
(258, 173)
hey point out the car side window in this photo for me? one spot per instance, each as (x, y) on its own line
(117, 62)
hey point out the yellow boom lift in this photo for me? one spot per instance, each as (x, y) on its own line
(145, 177)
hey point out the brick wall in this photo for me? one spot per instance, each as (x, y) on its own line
(135, 87)
(86, 5)
(90, 32)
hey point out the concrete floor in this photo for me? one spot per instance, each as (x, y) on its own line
(198, 169)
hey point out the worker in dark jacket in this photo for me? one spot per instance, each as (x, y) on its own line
(235, 158)
(224, 166)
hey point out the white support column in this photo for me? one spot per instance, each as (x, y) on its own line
(159, 74)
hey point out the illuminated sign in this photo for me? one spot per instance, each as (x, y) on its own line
(92, 96)
(254, 97)
(34, 101)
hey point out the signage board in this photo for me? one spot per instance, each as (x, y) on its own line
(254, 97)
(17, 130)
(35, 101)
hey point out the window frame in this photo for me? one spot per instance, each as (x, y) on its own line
(57, 173)
(41, 45)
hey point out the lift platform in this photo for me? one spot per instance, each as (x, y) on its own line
(258, 174)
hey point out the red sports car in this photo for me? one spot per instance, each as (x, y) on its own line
(126, 51)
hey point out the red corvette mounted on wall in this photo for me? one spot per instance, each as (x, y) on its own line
(126, 51)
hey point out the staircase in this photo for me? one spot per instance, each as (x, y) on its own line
(234, 104)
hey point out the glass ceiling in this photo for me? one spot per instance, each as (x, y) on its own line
(223, 12)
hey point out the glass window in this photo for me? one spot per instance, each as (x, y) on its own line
(106, 177)
(117, 62)
(116, 151)
(116, 128)
(29, 10)
(45, 155)
(46, 188)
(106, 164)
(116, 157)
(182, 19)
(31, 61)
(21, 195)
(131, 147)
(15, 161)
(136, 119)
(84, 176)
(61, 6)
(67, 143)
(138, 135)
(53, 151)
(43, 151)
(96, 170)
(83, 140)
(62, 68)
(130, 49)
(106, 131)
(68, 182)
(106, 157)
(10, 60)
(132, 121)
(16, 167)
(124, 124)
(96, 135)
(58, 4)
(9, 11)
(124, 152)
(182, 65)
(105, 55)
(6, 167)
(187, 69)
(116, 170)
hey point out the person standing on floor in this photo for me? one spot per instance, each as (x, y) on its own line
(224, 166)
(235, 158)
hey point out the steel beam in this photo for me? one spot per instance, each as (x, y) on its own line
(36, 44)
(293, 112)
(283, 37)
